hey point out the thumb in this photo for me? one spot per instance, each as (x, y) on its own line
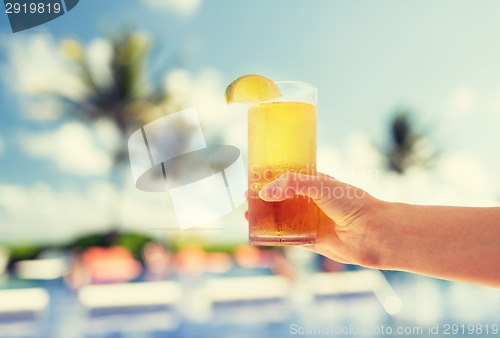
(317, 187)
(338, 200)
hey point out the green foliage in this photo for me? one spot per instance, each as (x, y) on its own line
(24, 251)
(87, 241)
(127, 65)
(205, 245)
(407, 144)
(134, 242)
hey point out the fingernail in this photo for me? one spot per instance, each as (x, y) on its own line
(267, 192)
(272, 190)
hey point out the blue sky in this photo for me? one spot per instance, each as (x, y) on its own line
(367, 58)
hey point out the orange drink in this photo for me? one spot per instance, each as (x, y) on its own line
(282, 138)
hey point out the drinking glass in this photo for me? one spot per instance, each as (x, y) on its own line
(282, 138)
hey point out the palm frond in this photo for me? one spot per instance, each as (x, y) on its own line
(407, 145)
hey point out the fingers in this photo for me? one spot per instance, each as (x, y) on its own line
(286, 186)
(277, 190)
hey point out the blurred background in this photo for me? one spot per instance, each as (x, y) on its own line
(409, 109)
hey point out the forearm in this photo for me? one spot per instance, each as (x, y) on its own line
(455, 243)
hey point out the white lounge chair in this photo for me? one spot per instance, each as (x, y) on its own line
(145, 306)
(366, 281)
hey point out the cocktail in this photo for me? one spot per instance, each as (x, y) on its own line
(281, 138)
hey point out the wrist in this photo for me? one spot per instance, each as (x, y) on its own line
(383, 242)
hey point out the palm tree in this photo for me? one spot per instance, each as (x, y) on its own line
(407, 146)
(125, 99)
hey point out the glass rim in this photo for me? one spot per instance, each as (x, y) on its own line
(298, 83)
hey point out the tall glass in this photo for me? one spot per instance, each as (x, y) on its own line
(282, 138)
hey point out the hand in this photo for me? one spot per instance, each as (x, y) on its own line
(345, 223)
(448, 242)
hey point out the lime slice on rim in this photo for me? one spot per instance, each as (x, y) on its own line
(250, 89)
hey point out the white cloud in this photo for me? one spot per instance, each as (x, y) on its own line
(107, 134)
(184, 7)
(205, 89)
(465, 171)
(458, 178)
(40, 109)
(470, 102)
(99, 53)
(36, 64)
(41, 213)
(72, 148)
(331, 162)
(357, 162)
(361, 150)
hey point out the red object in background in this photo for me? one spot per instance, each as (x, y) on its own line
(110, 265)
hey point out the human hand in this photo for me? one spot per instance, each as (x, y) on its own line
(346, 223)
(356, 228)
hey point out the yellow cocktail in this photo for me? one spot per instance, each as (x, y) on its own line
(282, 138)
